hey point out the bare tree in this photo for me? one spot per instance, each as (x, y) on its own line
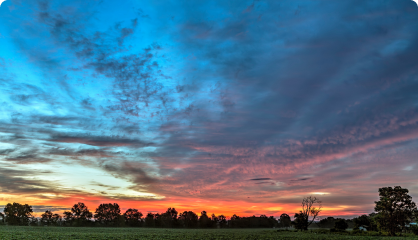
(311, 207)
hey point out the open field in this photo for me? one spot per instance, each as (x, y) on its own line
(8, 232)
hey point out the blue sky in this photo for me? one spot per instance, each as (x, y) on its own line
(171, 102)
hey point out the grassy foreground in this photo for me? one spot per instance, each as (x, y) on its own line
(9, 232)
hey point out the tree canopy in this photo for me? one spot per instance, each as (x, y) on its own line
(18, 214)
(108, 213)
(395, 208)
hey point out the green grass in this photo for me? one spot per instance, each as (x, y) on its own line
(11, 232)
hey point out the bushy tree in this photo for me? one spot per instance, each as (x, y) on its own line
(149, 220)
(108, 214)
(367, 221)
(49, 218)
(222, 221)
(341, 224)
(204, 220)
(188, 219)
(17, 214)
(133, 217)
(78, 216)
(285, 221)
(169, 218)
(395, 209)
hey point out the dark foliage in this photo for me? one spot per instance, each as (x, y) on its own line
(253, 222)
(285, 221)
(108, 214)
(341, 224)
(18, 214)
(79, 215)
(49, 218)
(395, 209)
(188, 219)
(133, 217)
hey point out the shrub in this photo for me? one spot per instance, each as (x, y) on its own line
(341, 224)
(414, 230)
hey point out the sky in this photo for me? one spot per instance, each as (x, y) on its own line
(232, 107)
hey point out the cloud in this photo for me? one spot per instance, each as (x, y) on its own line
(101, 141)
(260, 179)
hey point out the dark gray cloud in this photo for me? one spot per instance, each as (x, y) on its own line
(260, 179)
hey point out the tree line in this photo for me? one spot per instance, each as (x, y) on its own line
(394, 211)
(109, 214)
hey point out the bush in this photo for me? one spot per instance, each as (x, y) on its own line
(321, 231)
(341, 224)
(335, 230)
(414, 230)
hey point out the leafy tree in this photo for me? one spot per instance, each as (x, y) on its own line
(149, 220)
(222, 221)
(301, 221)
(327, 222)
(56, 219)
(341, 224)
(169, 218)
(68, 218)
(48, 218)
(133, 217)
(395, 208)
(365, 221)
(235, 221)
(79, 215)
(204, 220)
(285, 220)
(189, 219)
(108, 214)
(308, 211)
(17, 214)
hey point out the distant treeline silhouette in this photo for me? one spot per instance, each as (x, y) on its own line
(109, 214)
(394, 213)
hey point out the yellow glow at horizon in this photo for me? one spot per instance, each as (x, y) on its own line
(320, 193)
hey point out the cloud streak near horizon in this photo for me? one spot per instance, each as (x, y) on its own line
(199, 105)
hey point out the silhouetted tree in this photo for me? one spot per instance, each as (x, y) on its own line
(234, 222)
(108, 214)
(2, 217)
(79, 215)
(285, 220)
(308, 211)
(395, 208)
(49, 218)
(158, 220)
(328, 222)
(169, 218)
(341, 224)
(189, 219)
(366, 221)
(68, 218)
(222, 221)
(17, 214)
(204, 220)
(133, 217)
(149, 220)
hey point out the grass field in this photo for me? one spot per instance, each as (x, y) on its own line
(8, 232)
